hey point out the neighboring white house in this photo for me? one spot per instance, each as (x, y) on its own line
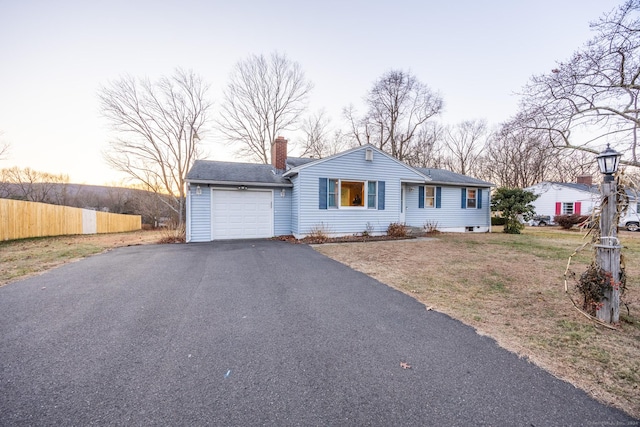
(566, 198)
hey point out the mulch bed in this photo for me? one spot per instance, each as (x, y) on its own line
(312, 240)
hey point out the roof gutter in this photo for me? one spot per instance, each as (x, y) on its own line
(456, 184)
(237, 183)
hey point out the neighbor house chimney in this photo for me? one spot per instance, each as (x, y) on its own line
(585, 179)
(279, 153)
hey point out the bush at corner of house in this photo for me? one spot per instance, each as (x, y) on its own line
(397, 229)
(497, 220)
(568, 221)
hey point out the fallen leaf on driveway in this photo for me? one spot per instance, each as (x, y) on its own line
(405, 365)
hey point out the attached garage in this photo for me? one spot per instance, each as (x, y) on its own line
(241, 214)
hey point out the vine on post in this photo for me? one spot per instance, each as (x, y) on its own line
(594, 282)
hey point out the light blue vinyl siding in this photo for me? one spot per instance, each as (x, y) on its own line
(351, 166)
(450, 215)
(282, 212)
(200, 215)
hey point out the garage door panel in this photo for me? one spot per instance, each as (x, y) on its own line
(240, 214)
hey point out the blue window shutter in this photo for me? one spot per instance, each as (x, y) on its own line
(323, 193)
(464, 198)
(479, 204)
(381, 195)
(421, 197)
(438, 197)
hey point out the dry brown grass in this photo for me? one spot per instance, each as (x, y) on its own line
(510, 287)
(26, 257)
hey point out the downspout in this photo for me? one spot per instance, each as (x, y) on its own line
(489, 209)
(188, 213)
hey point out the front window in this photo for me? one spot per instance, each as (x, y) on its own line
(567, 209)
(471, 199)
(351, 194)
(429, 197)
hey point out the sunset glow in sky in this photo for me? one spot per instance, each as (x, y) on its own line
(56, 54)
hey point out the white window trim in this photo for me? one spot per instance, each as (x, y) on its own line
(475, 205)
(365, 184)
(573, 208)
(429, 198)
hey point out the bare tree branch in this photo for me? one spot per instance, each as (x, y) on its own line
(159, 126)
(399, 105)
(4, 148)
(265, 97)
(592, 99)
(34, 186)
(465, 142)
(320, 139)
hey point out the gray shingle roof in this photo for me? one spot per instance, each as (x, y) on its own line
(236, 173)
(208, 171)
(294, 162)
(581, 187)
(441, 176)
(594, 189)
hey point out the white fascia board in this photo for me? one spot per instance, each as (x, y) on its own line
(294, 171)
(236, 183)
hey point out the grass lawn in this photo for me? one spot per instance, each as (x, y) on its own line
(511, 287)
(25, 257)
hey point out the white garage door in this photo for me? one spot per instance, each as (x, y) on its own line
(241, 214)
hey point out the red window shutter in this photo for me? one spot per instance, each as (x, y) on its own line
(576, 208)
(558, 208)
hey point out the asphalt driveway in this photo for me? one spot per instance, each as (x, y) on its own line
(255, 333)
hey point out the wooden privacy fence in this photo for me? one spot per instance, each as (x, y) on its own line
(20, 220)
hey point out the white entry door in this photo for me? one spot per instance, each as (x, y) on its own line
(241, 214)
(403, 203)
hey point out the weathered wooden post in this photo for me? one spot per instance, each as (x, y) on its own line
(608, 250)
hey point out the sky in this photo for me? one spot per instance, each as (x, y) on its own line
(56, 54)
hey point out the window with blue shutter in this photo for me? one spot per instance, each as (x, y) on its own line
(329, 193)
(471, 198)
(438, 197)
(421, 197)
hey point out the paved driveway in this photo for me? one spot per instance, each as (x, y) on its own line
(255, 333)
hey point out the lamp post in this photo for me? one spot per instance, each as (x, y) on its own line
(608, 249)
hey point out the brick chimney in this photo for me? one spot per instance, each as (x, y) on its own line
(584, 179)
(279, 153)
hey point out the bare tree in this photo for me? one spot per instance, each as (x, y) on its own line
(264, 97)
(465, 142)
(427, 149)
(34, 186)
(570, 164)
(4, 148)
(320, 139)
(515, 158)
(159, 126)
(399, 105)
(593, 97)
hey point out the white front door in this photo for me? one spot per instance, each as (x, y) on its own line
(403, 203)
